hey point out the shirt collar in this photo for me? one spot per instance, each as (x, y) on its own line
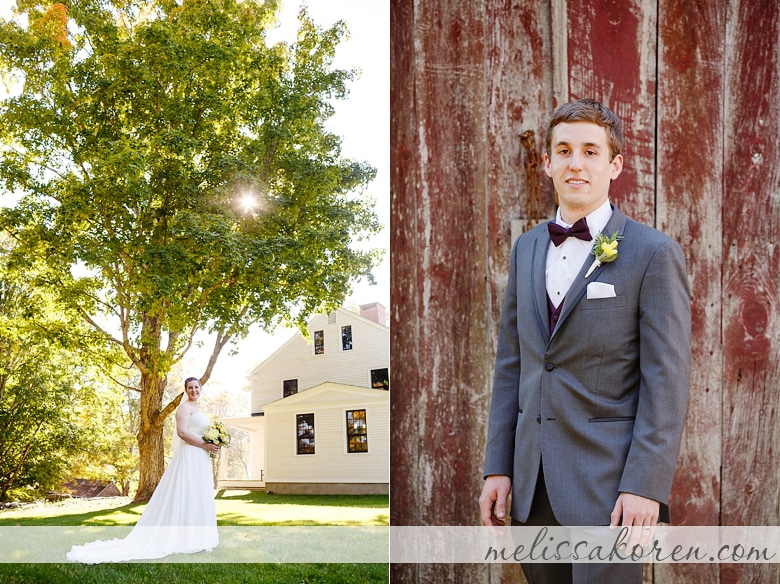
(597, 220)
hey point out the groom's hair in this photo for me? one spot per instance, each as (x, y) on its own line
(186, 381)
(588, 110)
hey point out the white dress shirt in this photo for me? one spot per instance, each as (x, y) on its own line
(565, 261)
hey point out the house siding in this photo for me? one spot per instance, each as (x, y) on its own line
(296, 358)
(331, 462)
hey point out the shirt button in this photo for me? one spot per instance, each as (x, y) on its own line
(549, 366)
(538, 419)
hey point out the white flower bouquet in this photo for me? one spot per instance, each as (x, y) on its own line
(217, 434)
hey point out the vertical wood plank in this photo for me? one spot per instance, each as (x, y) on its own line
(612, 58)
(447, 52)
(751, 325)
(519, 103)
(559, 16)
(689, 208)
(611, 55)
(404, 363)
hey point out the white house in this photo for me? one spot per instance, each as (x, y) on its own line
(320, 418)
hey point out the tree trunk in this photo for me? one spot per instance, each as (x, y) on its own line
(150, 436)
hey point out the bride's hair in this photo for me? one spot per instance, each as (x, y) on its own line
(186, 381)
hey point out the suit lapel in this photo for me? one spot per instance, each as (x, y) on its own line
(539, 283)
(616, 223)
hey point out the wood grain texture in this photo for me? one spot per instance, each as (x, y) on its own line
(696, 84)
(612, 58)
(751, 326)
(519, 103)
(689, 209)
(437, 389)
(404, 363)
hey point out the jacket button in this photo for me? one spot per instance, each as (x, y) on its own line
(538, 419)
(549, 366)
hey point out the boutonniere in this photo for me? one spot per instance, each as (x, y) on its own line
(605, 250)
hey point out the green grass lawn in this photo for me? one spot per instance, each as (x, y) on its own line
(234, 508)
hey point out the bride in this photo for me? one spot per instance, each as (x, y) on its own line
(181, 516)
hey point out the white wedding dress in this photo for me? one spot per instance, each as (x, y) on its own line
(180, 517)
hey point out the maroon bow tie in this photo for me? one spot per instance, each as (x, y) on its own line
(559, 234)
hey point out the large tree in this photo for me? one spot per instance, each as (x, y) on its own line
(176, 175)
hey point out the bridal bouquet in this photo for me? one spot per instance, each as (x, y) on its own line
(218, 434)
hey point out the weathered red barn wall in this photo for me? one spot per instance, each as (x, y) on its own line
(696, 84)
(691, 46)
(750, 272)
(441, 356)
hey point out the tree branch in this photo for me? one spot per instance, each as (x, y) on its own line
(119, 383)
(171, 406)
(223, 338)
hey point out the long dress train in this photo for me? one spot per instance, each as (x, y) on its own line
(179, 518)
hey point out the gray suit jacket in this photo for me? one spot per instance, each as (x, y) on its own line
(602, 401)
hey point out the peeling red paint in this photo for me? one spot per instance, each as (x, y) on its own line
(612, 59)
(695, 82)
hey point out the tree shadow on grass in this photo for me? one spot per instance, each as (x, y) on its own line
(98, 517)
(128, 514)
(236, 519)
(263, 498)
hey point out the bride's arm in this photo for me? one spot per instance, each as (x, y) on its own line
(182, 414)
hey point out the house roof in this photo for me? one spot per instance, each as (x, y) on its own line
(297, 335)
(89, 489)
(315, 393)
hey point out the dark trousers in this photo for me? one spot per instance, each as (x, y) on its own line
(568, 572)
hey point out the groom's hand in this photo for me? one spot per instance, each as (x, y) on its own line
(639, 515)
(492, 502)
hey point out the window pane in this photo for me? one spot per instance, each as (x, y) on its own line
(289, 387)
(305, 433)
(358, 444)
(346, 338)
(380, 379)
(319, 342)
(357, 431)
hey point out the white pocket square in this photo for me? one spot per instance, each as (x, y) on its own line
(600, 290)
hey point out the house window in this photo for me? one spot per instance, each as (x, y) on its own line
(289, 387)
(305, 424)
(346, 338)
(380, 379)
(319, 342)
(357, 435)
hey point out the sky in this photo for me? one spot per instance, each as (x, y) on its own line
(363, 122)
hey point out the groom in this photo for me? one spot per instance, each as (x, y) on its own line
(592, 370)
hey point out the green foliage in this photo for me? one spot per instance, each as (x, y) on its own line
(107, 419)
(135, 132)
(41, 386)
